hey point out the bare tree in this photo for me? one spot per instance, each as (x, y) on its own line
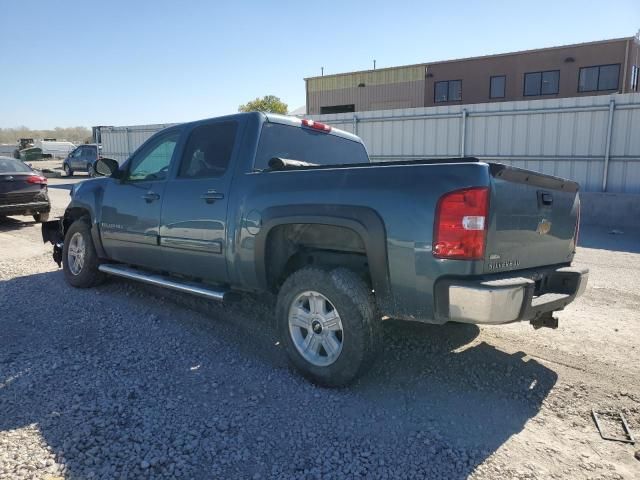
(71, 134)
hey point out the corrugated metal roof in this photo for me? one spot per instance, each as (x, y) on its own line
(372, 77)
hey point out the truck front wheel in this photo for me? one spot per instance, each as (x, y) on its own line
(79, 258)
(328, 324)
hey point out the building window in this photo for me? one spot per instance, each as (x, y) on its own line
(635, 73)
(497, 86)
(338, 109)
(541, 83)
(448, 91)
(599, 78)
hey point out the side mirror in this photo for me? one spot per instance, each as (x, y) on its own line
(106, 166)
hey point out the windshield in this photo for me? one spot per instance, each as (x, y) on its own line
(11, 165)
(295, 143)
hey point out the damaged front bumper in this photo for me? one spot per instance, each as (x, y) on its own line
(53, 232)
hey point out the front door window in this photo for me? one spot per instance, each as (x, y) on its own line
(153, 162)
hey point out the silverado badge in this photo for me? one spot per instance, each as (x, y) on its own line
(504, 264)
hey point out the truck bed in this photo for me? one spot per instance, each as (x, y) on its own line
(533, 216)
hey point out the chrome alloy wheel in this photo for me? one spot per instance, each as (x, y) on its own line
(316, 328)
(75, 253)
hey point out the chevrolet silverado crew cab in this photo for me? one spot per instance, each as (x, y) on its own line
(265, 203)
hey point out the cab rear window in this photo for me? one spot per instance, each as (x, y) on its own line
(296, 143)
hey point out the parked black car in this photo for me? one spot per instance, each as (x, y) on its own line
(82, 159)
(23, 191)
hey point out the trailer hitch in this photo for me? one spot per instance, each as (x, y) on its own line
(546, 320)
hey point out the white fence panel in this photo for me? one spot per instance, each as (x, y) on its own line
(120, 142)
(566, 137)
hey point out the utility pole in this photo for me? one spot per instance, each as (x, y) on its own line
(322, 71)
(374, 64)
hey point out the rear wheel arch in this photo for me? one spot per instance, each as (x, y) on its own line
(292, 246)
(361, 240)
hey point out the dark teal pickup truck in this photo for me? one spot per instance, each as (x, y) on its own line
(260, 202)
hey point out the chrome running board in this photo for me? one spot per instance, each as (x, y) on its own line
(163, 281)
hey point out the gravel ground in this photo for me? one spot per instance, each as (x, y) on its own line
(129, 381)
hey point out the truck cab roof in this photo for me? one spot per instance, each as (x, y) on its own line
(283, 120)
(297, 122)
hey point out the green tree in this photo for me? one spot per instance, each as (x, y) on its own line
(268, 103)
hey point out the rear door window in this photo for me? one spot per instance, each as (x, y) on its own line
(89, 153)
(208, 150)
(296, 143)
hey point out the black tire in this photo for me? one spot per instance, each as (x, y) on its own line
(361, 325)
(89, 275)
(67, 170)
(41, 217)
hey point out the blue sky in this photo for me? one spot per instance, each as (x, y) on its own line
(129, 62)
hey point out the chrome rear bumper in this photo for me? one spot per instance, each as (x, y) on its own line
(505, 300)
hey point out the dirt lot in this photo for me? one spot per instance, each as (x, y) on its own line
(127, 381)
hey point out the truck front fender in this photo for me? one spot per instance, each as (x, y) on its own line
(86, 201)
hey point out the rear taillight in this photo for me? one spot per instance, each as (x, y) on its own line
(37, 179)
(461, 224)
(322, 127)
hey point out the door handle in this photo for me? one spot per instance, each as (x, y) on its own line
(150, 197)
(546, 198)
(211, 196)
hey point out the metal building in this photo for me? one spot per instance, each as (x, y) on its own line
(586, 69)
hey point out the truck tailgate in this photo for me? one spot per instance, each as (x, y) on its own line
(532, 220)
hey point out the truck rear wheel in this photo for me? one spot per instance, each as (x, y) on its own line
(328, 324)
(79, 258)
